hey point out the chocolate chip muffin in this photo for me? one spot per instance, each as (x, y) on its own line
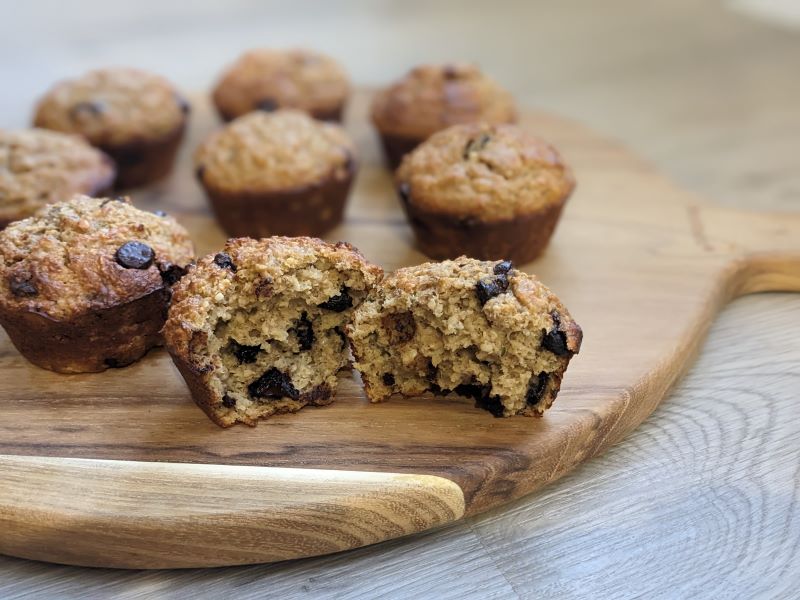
(137, 118)
(40, 167)
(433, 97)
(480, 329)
(486, 191)
(258, 329)
(85, 284)
(278, 173)
(267, 79)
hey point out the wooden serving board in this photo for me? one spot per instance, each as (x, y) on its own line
(121, 469)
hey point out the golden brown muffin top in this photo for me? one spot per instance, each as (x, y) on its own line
(511, 300)
(247, 268)
(266, 79)
(113, 107)
(271, 152)
(486, 172)
(87, 254)
(39, 167)
(432, 97)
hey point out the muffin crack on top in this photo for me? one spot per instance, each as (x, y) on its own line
(481, 329)
(258, 328)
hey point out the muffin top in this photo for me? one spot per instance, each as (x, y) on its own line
(247, 268)
(272, 152)
(433, 97)
(39, 167)
(88, 254)
(266, 79)
(511, 300)
(486, 172)
(113, 107)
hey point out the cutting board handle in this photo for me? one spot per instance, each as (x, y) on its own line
(765, 246)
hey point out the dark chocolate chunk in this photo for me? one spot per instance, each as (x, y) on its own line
(476, 144)
(488, 288)
(400, 327)
(555, 340)
(223, 261)
(342, 336)
(404, 191)
(273, 384)
(86, 109)
(472, 390)
(536, 388)
(228, 401)
(266, 104)
(503, 267)
(22, 287)
(135, 255)
(388, 379)
(304, 331)
(243, 353)
(338, 303)
(492, 404)
(112, 363)
(170, 273)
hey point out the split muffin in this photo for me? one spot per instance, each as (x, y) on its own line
(433, 97)
(258, 328)
(135, 117)
(85, 284)
(267, 79)
(484, 330)
(486, 191)
(40, 167)
(277, 173)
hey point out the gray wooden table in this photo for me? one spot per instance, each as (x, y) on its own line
(702, 500)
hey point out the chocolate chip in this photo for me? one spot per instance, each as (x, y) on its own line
(502, 267)
(170, 273)
(243, 353)
(223, 261)
(338, 303)
(273, 384)
(342, 336)
(555, 340)
(228, 401)
(388, 379)
(135, 255)
(476, 144)
(86, 109)
(267, 104)
(199, 171)
(404, 191)
(472, 390)
(264, 288)
(304, 331)
(112, 363)
(491, 403)
(400, 327)
(536, 388)
(159, 213)
(22, 287)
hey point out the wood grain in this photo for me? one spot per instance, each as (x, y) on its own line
(632, 247)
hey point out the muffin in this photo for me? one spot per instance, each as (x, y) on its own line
(486, 191)
(39, 167)
(258, 329)
(85, 284)
(135, 117)
(277, 173)
(267, 79)
(433, 97)
(483, 330)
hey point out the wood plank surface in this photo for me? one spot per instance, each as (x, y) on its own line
(707, 486)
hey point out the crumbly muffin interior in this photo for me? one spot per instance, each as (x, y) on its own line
(492, 334)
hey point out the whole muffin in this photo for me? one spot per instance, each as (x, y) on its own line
(433, 97)
(39, 167)
(85, 284)
(136, 117)
(484, 330)
(266, 79)
(485, 191)
(277, 173)
(258, 329)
